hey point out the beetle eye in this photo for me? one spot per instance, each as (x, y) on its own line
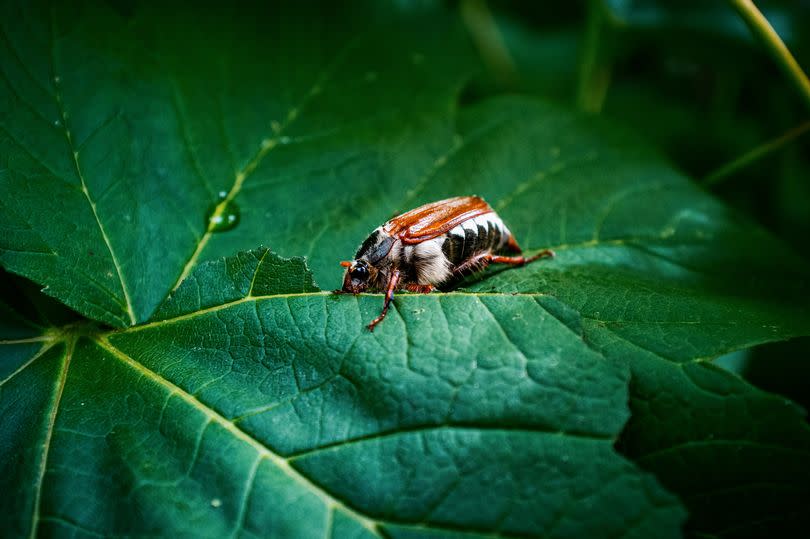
(360, 272)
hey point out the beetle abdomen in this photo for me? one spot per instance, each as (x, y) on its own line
(483, 234)
(434, 261)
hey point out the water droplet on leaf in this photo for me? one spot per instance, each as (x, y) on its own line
(225, 219)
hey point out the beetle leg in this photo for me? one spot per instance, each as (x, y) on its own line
(416, 287)
(393, 281)
(482, 261)
(477, 263)
(520, 260)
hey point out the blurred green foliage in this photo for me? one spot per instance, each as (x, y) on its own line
(691, 77)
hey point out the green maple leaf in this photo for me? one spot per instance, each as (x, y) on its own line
(214, 389)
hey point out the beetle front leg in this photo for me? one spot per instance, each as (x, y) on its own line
(393, 281)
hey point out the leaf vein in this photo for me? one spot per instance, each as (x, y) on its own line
(60, 386)
(80, 174)
(418, 429)
(47, 346)
(240, 519)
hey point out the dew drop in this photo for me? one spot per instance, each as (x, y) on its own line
(222, 195)
(57, 123)
(226, 219)
(371, 76)
(216, 502)
(57, 79)
(284, 140)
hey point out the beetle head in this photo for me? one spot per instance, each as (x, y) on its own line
(358, 276)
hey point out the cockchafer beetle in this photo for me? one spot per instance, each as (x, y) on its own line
(430, 246)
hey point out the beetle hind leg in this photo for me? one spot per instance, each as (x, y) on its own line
(482, 261)
(521, 260)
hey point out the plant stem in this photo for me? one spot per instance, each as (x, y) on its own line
(594, 69)
(488, 39)
(722, 173)
(760, 26)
